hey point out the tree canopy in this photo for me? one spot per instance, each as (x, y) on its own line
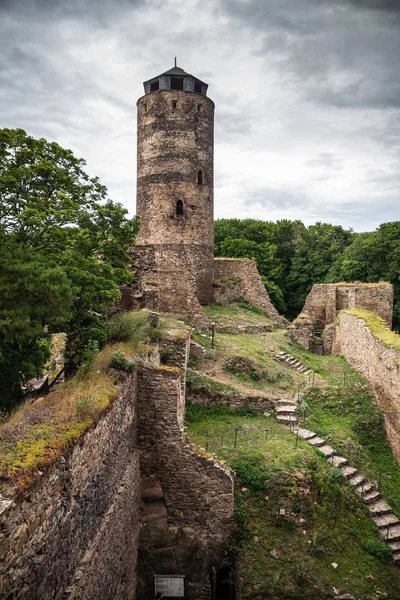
(291, 257)
(63, 256)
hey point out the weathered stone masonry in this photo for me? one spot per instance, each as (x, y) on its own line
(75, 534)
(380, 365)
(239, 278)
(325, 301)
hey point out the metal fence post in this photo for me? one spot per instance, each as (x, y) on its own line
(297, 437)
(212, 335)
(236, 432)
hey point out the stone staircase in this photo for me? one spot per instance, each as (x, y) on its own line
(291, 361)
(381, 513)
(285, 411)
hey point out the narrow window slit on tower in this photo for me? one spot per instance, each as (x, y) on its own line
(200, 177)
(199, 108)
(145, 107)
(179, 208)
(174, 103)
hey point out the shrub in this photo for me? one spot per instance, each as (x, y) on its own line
(135, 328)
(121, 363)
(377, 548)
(84, 408)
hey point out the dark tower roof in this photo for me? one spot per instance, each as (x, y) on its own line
(175, 79)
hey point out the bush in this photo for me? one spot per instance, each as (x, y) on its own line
(121, 363)
(135, 328)
(85, 408)
(377, 548)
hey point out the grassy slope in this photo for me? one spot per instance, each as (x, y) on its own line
(337, 525)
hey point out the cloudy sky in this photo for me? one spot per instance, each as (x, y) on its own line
(307, 95)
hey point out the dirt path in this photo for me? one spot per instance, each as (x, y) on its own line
(214, 370)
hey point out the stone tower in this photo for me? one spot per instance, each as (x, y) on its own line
(175, 147)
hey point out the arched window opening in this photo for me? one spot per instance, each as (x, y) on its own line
(200, 177)
(179, 208)
(174, 104)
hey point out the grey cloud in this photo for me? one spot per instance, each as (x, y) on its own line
(338, 53)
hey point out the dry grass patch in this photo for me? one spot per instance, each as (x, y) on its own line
(37, 434)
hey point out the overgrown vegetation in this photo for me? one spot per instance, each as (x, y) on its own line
(37, 433)
(63, 256)
(294, 514)
(291, 257)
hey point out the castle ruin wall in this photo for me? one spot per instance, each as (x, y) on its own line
(379, 364)
(326, 300)
(239, 278)
(74, 534)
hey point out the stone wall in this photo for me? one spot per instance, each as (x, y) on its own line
(239, 278)
(325, 301)
(187, 498)
(380, 365)
(175, 142)
(74, 535)
(161, 282)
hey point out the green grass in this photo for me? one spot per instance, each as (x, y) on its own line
(237, 313)
(272, 474)
(349, 414)
(197, 383)
(377, 326)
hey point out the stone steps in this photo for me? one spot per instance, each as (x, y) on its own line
(357, 480)
(292, 362)
(385, 520)
(372, 497)
(338, 461)
(390, 534)
(379, 508)
(316, 441)
(365, 488)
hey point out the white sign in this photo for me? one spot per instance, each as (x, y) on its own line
(171, 586)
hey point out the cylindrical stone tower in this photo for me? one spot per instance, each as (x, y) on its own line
(175, 133)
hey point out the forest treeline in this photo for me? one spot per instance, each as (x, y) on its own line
(292, 257)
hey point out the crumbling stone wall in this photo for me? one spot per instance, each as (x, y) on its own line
(325, 301)
(161, 282)
(187, 508)
(380, 365)
(239, 278)
(74, 535)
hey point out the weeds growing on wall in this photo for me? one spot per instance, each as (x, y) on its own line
(134, 327)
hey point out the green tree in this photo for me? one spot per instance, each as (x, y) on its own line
(318, 248)
(63, 254)
(373, 257)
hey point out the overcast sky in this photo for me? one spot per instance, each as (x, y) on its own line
(307, 95)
